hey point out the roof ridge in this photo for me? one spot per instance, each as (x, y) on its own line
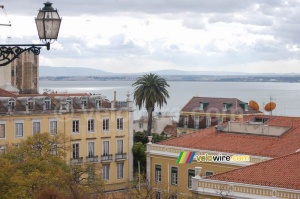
(256, 164)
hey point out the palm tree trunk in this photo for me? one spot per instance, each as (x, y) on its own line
(150, 111)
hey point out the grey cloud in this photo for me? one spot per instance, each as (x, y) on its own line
(98, 7)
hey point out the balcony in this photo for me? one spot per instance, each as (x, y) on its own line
(92, 158)
(78, 160)
(121, 156)
(106, 158)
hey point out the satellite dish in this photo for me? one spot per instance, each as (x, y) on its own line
(254, 105)
(270, 106)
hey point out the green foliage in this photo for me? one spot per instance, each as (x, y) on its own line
(38, 169)
(140, 137)
(139, 148)
(139, 155)
(150, 90)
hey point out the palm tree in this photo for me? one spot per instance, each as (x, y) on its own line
(150, 90)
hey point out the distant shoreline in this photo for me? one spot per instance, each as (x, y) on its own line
(192, 78)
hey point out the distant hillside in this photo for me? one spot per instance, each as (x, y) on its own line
(81, 71)
(71, 71)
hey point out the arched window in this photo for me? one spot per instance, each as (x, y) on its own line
(30, 103)
(69, 102)
(12, 103)
(84, 102)
(47, 103)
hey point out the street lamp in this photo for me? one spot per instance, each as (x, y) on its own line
(47, 23)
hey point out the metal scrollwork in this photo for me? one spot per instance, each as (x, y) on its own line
(8, 54)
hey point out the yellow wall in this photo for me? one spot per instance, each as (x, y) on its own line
(83, 137)
(168, 162)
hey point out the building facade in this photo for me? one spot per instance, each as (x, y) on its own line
(236, 144)
(159, 122)
(204, 112)
(100, 131)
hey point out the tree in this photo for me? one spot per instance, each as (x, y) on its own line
(37, 169)
(150, 90)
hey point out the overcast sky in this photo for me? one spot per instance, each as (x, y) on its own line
(145, 35)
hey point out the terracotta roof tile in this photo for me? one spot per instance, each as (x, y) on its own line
(283, 172)
(4, 93)
(269, 146)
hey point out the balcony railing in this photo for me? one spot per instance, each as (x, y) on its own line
(107, 157)
(78, 160)
(121, 156)
(92, 158)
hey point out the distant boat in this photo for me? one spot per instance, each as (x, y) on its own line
(270, 106)
(254, 105)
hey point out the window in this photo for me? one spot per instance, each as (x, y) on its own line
(76, 175)
(158, 195)
(36, 127)
(18, 129)
(191, 173)
(208, 121)
(174, 175)
(98, 103)
(69, 103)
(120, 124)
(246, 107)
(157, 173)
(119, 146)
(174, 196)
(30, 104)
(91, 174)
(91, 149)
(209, 173)
(105, 172)
(84, 103)
(47, 103)
(224, 107)
(53, 127)
(105, 148)
(75, 126)
(186, 121)
(196, 122)
(12, 104)
(201, 106)
(75, 151)
(141, 125)
(2, 131)
(120, 170)
(2, 149)
(53, 149)
(91, 125)
(105, 124)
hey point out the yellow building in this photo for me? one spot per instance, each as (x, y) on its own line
(251, 140)
(100, 130)
(276, 178)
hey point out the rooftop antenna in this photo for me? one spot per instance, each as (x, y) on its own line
(5, 24)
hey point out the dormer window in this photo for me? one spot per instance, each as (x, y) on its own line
(30, 104)
(69, 102)
(84, 103)
(201, 106)
(12, 104)
(98, 103)
(224, 107)
(246, 107)
(47, 103)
